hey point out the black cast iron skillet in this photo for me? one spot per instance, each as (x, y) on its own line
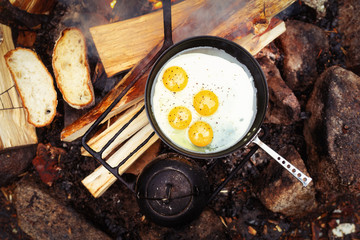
(236, 51)
(244, 57)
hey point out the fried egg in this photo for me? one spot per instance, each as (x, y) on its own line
(179, 117)
(175, 78)
(200, 134)
(204, 100)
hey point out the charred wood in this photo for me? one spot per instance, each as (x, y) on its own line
(11, 15)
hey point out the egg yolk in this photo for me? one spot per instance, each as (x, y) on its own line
(200, 134)
(175, 78)
(206, 102)
(179, 117)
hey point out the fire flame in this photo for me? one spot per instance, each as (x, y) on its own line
(112, 4)
(156, 4)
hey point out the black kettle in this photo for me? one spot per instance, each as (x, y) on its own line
(172, 190)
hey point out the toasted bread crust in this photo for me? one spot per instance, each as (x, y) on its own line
(136, 93)
(62, 74)
(27, 101)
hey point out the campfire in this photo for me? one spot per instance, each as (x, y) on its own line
(253, 194)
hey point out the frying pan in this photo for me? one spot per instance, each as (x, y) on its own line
(235, 51)
(245, 58)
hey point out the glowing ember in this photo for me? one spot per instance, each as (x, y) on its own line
(112, 4)
(156, 4)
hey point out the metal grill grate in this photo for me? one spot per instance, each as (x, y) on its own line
(6, 103)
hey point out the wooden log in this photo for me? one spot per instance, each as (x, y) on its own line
(149, 155)
(101, 179)
(35, 6)
(11, 15)
(14, 129)
(254, 43)
(99, 141)
(247, 20)
(80, 126)
(121, 45)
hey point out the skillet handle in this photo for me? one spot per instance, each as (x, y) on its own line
(305, 180)
(167, 23)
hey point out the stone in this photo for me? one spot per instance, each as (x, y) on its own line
(207, 226)
(41, 216)
(271, 51)
(349, 27)
(281, 192)
(14, 162)
(332, 132)
(46, 162)
(257, 222)
(302, 44)
(283, 108)
(318, 5)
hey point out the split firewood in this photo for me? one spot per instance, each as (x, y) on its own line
(150, 154)
(101, 179)
(80, 126)
(254, 43)
(99, 140)
(122, 44)
(135, 36)
(14, 129)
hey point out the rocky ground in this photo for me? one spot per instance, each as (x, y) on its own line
(313, 121)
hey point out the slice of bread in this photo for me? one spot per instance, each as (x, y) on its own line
(34, 84)
(71, 69)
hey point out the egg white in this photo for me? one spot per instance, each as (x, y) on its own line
(215, 70)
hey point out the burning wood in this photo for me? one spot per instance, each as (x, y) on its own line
(121, 45)
(11, 15)
(254, 43)
(157, 4)
(34, 6)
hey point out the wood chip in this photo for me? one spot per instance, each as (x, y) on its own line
(251, 230)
